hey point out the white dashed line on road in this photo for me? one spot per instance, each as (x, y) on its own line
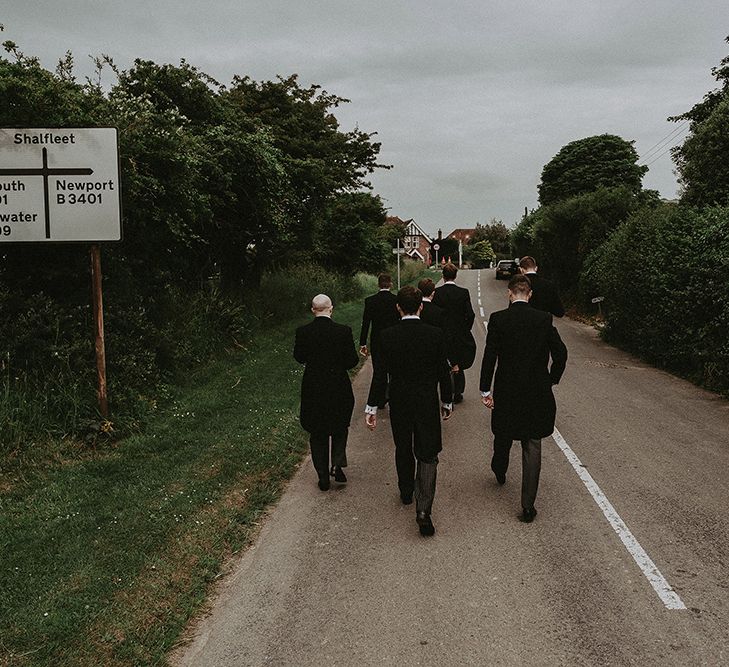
(668, 596)
(482, 313)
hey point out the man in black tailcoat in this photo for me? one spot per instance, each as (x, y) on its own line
(327, 400)
(413, 354)
(431, 314)
(519, 343)
(459, 316)
(380, 312)
(544, 293)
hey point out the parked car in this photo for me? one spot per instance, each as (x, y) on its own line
(506, 268)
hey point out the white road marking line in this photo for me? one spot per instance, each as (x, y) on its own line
(486, 325)
(482, 313)
(479, 301)
(668, 596)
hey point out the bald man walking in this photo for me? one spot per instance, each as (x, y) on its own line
(327, 349)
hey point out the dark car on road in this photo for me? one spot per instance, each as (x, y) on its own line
(506, 268)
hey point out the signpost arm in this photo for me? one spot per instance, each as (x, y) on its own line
(99, 329)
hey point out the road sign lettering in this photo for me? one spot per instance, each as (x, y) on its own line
(13, 186)
(62, 184)
(44, 138)
(83, 198)
(51, 184)
(18, 217)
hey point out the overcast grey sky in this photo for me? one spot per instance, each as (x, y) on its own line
(470, 99)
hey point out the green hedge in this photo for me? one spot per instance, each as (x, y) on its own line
(47, 363)
(664, 275)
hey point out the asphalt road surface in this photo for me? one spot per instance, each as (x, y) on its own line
(627, 562)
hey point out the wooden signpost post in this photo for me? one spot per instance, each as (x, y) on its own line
(63, 185)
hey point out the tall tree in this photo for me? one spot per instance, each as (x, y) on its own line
(346, 238)
(479, 254)
(582, 166)
(496, 233)
(319, 157)
(702, 162)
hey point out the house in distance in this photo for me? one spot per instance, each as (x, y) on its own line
(416, 242)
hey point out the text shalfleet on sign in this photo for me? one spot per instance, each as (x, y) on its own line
(59, 184)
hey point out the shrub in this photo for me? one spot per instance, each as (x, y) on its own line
(663, 275)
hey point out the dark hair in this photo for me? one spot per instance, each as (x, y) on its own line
(409, 299)
(528, 262)
(384, 280)
(520, 285)
(450, 271)
(426, 286)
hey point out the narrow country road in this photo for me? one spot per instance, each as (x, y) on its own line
(626, 563)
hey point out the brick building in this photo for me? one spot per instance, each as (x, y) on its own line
(416, 241)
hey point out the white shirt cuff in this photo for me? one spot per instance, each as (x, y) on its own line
(371, 410)
(447, 406)
(484, 394)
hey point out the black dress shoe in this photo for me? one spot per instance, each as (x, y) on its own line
(500, 477)
(407, 498)
(324, 483)
(339, 475)
(424, 524)
(458, 398)
(527, 516)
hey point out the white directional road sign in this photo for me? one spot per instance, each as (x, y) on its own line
(59, 184)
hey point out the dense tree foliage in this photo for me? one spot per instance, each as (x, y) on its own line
(702, 164)
(663, 276)
(346, 236)
(497, 234)
(479, 255)
(582, 166)
(318, 157)
(562, 235)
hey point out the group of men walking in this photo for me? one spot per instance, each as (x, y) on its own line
(420, 343)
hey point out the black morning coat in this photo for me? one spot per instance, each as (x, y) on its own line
(521, 340)
(545, 295)
(459, 316)
(380, 311)
(413, 355)
(432, 314)
(327, 349)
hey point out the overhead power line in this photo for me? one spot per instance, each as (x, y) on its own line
(667, 149)
(671, 136)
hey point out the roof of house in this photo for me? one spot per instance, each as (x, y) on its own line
(461, 231)
(395, 220)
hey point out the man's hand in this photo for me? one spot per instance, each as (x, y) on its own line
(488, 401)
(445, 413)
(371, 421)
(363, 350)
(455, 368)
